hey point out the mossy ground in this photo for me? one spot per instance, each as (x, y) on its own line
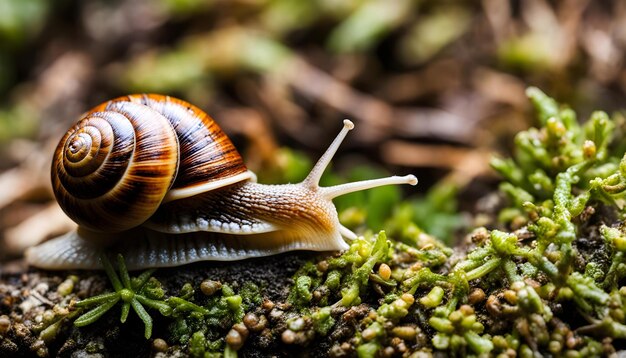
(540, 271)
(110, 338)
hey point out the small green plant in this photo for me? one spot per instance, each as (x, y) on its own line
(130, 292)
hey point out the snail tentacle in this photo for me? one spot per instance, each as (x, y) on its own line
(332, 192)
(313, 179)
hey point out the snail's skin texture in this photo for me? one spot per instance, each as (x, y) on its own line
(220, 213)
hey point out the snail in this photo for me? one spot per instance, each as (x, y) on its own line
(156, 179)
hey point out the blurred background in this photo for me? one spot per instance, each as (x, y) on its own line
(434, 88)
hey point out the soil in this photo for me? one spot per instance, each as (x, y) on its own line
(25, 294)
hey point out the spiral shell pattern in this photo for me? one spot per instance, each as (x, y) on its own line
(112, 170)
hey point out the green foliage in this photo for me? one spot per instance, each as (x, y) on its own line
(458, 329)
(433, 299)
(20, 19)
(131, 293)
(366, 256)
(550, 160)
(195, 323)
(367, 25)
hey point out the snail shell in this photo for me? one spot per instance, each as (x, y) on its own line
(112, 170)
(156, 179)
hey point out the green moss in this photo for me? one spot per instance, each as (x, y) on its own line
(197, 345)
(302, 290)
(364, 259)
(433, 299)
(368, 350)
(251, 295)
(323, 321)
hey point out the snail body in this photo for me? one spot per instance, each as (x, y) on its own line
(156, 179)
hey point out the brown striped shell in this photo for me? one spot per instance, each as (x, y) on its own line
(127, 155)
